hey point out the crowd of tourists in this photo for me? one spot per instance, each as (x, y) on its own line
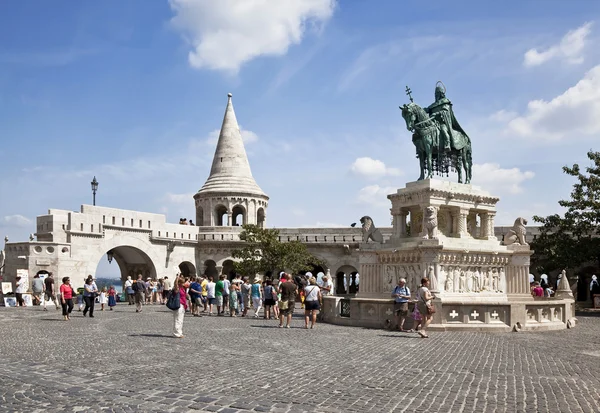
(242, 297)
(269, 298)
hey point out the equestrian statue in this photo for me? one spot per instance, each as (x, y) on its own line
(442, 144)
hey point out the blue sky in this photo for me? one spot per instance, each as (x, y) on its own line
(133, 92)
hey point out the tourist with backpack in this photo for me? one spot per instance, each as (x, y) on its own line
(177, 302)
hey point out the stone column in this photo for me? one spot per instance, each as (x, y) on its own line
(229, 219)
(459, 218)
(517, 272)
(370, 276)
(491, 216)
(402, 225)
(484, 232)
(415, 222)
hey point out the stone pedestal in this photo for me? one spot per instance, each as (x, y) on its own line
(479, 284)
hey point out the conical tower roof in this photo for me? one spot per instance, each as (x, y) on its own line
(230, 172)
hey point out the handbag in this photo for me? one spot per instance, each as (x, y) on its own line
(283, 305)
(430, 307)
(173, 301)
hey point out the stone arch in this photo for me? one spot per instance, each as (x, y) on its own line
(133, 261)
(210, 269)
(238, 216)
(187, 269)
(132, 255)
(346, 280)
(227, 268)
(260, 217)
(199, 216)
(221, 216)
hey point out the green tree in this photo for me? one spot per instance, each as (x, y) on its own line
(264, 252)
(573, 239)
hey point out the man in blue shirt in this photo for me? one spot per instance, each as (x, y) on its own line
(401, 295)
(196, 297)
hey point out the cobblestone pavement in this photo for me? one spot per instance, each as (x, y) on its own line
(123, 361)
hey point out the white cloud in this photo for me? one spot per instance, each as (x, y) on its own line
(569, 48)
(376, 195)
(372, 168)
(493, 178)
(574, 113)
(247, 136)
(16, 221)
(503, 116)
(225, 34)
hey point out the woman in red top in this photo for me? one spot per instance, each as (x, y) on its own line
(179, 313)
(66, 297)
(537, 291)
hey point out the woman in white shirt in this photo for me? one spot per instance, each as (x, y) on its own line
(312, 302)
(19, 291)
(425, 306)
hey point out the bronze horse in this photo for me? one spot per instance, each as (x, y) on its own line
(426, 138)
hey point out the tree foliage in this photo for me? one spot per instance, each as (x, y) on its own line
(264, 252)
(573, 239)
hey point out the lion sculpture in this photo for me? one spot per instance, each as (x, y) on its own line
(516, 235)
(369, 231)
(430, 223)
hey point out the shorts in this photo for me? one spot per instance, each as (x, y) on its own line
(269, 302)
(212, 301)
(312, 305)
(246, 301)
(220, 301)
(401, 309)
(197, 301)
(289, 310)
(203, 299)
(48, 296)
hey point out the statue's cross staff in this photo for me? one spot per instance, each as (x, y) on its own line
(408, 92)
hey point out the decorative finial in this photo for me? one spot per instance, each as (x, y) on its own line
(408, 92)
(229, 95)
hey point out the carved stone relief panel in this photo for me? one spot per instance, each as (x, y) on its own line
(471, 278)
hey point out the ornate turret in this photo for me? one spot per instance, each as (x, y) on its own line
(230, 195)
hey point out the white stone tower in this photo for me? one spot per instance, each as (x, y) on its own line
(230, 196)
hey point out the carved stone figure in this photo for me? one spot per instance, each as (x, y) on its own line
(516, 235)
(442, 144)
(390, 277)
(31, 237)
(430, 223)
(369, 231)
(495, 280)
(449, 285)
(485, 279)
(475, 281)
(462, 282)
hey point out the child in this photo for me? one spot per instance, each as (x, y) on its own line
(233, 301)
(112, 301)
(102, 298)
(80, 303)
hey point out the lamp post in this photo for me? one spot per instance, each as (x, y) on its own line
(94, 189)
(109, 255)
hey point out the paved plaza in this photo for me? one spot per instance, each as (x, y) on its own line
(123, 361)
